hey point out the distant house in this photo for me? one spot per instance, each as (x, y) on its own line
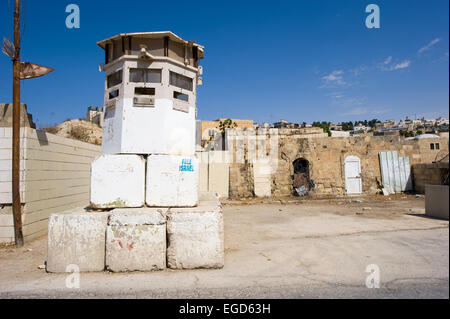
(207, 131)
(95, 115)
(285, 124)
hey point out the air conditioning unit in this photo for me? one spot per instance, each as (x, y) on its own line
(144, 101)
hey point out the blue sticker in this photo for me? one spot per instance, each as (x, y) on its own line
(186, 165)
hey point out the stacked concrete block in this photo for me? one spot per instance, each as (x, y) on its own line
(195, 237)
(136, 240)
(76, 239)
(172, 181)
(209, 199)
(118, 181)
(262, 179)
(148, 159)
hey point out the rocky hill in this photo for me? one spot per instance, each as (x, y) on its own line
(81, 130)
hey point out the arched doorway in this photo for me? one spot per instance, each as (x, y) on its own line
(352, 169)
(302, 181)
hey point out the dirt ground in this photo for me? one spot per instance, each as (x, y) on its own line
(277, 248)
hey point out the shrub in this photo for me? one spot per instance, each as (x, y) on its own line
(80, 133)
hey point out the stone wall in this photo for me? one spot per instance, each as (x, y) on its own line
(326, 156)
(429, 173)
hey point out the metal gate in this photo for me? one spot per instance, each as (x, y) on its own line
(395, 172)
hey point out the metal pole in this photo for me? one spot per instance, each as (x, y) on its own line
(17, 207)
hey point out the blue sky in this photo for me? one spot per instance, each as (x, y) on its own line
(311, 60)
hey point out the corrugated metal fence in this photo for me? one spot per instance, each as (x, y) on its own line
(395, 172)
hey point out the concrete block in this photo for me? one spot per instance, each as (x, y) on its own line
(262, 179)
(172, 181)
(436, 201)
(76, 239)
(219, 178)
(209, 199)
(195, 237)
(118, 181)
(136, 240)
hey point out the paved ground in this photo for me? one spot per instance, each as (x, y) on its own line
(287, 249)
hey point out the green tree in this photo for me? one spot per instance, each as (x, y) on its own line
(324, 125)
(347, 126)
(223, 126)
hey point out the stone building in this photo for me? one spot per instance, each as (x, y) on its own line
(208, 131)
(95, 115)
(322, 158)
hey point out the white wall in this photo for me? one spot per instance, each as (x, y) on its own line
(55, 176)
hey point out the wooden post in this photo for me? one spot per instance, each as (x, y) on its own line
(17, 206)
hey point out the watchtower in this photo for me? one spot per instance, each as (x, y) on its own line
(150, 93)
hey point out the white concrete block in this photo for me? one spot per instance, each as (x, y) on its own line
(209, 199)
(262, 179)
(219, 178)
(436, 201)
(195, 237)
(136, 240)
(76, 239)
(172, 181)
(118, 181)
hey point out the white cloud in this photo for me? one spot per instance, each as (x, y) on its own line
(365, 111)
(335, 95)
(428, 46)
(335, 78)
(357, 111)
(402, 65)
(388, 60)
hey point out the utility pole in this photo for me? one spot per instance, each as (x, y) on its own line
(17, 206)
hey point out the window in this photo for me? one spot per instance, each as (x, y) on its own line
(145, 76)
(113, 94)
(114, 79)
(180, 81)
(144, 91)
(181, 96)
(432, 146)
(437, 146)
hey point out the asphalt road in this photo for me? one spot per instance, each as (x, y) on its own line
(275, 251)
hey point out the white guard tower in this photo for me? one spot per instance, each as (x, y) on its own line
(149, 123)
(150, 93)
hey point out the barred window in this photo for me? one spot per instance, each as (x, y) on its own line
(114, 79)
(145, 75)
(181, 81)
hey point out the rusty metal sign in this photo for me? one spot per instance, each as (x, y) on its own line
(30, 70)
(8, 48)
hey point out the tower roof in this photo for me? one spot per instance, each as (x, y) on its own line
(154, 35)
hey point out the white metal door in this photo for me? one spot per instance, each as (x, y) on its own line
(352, 167)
